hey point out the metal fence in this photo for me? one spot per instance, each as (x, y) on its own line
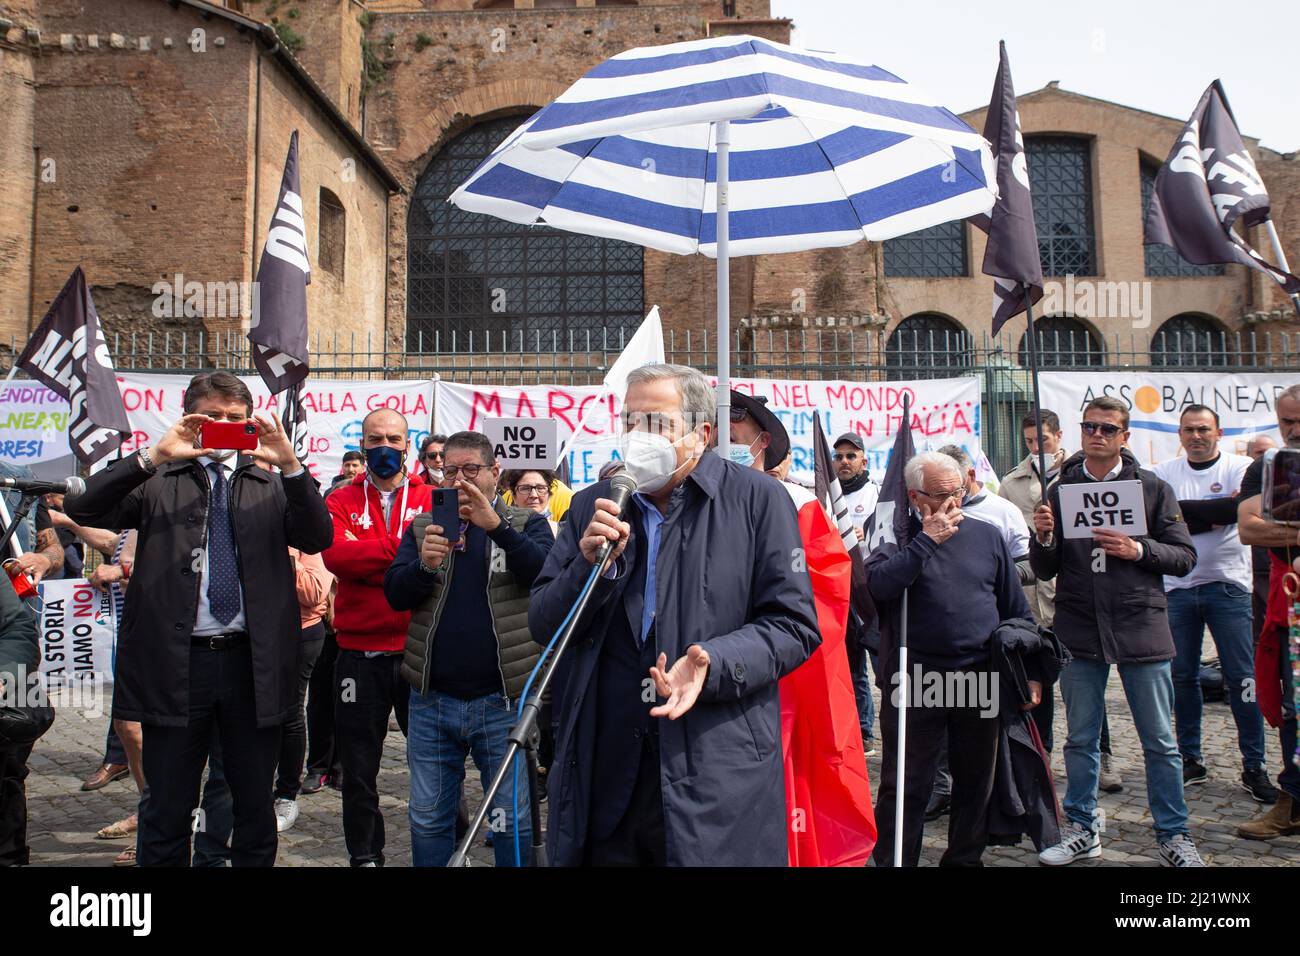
(852, 353)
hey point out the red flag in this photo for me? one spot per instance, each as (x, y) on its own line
(827, 792)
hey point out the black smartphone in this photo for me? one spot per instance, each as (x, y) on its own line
(444, 508)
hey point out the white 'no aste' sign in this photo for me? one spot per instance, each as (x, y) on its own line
(1103, 506)
(523, 442)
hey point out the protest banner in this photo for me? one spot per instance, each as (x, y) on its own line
(1244, 402)
(335, 409)
(944, 411)
(78, 633)
(1103, 506)
(33, 423)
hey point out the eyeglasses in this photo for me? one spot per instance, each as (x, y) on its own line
(468, 471)
(432, 455)
(538, 490)
(846, 456)
(943, 496)
(738, 414)
(1106, 428)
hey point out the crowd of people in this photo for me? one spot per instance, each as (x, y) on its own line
(272, 632)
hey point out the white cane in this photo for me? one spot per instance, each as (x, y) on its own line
(901, 758)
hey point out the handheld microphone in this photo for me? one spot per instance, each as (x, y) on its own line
(32, 486)
(621, 488)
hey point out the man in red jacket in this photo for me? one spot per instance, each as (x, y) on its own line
(369, 517)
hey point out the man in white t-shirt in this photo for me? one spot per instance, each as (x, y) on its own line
(859, 491)
(860, 494)
(1215, 594)
(988, 507)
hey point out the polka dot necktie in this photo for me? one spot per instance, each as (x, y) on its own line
(223, 571)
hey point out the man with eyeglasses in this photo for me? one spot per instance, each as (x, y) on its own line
(431, 458)
(1215, 595)
(960, 583)
(468, 649)
(863, 639)
(1110, 609)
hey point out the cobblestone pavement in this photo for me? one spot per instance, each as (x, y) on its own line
(64, 820)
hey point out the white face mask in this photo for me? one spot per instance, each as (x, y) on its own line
(222, 455)
(650, 459)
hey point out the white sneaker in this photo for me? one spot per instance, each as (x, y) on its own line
(286, 814)
(1077, 843)
(1180, 852)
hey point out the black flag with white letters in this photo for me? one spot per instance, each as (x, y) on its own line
(1011, 255)
(68, 354)
(1209, 183)
(826, 486)
(278, 329)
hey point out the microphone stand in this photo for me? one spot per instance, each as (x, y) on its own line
(525, 735)
(20, 513)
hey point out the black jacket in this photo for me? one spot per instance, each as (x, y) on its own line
(725, 581)
(1024, 796)
(1117, 615)
(170, 511)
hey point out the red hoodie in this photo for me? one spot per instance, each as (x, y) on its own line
(363, 549)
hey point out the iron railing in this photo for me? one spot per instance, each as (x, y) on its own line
(852, 353)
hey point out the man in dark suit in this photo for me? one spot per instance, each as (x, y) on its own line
(211, 626)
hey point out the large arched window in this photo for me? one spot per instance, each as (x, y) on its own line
(1192, 341)
(1060, 177)
(1063, 342)
(1162, 260)
(473, 273)
(928, 345)
(937, 251)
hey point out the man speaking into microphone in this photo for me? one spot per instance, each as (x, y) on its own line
(668, 736)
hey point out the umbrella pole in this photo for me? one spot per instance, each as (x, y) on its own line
(723, 133)
(901, 760)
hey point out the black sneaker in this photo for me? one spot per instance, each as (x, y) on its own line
(1256, 783)
(1194, 772)
(313, 783)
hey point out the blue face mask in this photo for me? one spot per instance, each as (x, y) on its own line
(384, 461)
(743, 455)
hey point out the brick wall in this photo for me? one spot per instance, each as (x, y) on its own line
(18, 172)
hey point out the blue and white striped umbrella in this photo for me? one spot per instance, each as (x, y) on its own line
(823, 152)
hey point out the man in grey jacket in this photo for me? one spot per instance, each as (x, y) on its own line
(1110, 609)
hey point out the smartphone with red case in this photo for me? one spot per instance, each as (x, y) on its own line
(241, 436)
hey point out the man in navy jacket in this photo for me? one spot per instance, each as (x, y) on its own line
(668, 744)
(960, 583)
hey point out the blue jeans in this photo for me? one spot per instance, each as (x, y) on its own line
(442, 731)
(858, 657)
(1225, 609)
(1150, 692)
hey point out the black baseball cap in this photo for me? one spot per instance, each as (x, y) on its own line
(756, 407)
(853, 438)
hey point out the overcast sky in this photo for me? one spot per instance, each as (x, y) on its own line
(1156, 56)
